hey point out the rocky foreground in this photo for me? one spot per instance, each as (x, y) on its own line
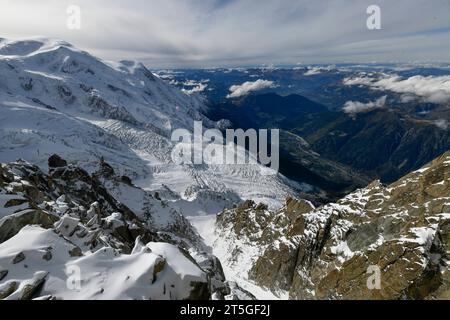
(71, 235)
(68, 234)
(400, 232)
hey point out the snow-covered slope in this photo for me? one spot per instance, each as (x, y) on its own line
(55, 98)
(105, 274)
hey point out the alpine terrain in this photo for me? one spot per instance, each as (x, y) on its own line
(92, 205)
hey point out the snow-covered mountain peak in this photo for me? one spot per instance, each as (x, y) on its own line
(56, 98)
(54, 71)
(30, 46)
(51, 50)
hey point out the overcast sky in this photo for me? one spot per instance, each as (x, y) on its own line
(214, 33)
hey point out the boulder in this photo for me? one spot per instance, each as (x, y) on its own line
(12, 224)
(56, 161)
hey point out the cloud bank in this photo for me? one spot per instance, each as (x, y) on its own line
(353, 107)
(199, 33)
(434, 89)
(244, 89)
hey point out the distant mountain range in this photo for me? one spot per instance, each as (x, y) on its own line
(385, 144)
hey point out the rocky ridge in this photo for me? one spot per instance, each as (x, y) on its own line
(401, 231)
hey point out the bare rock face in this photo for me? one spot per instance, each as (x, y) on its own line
(264, 231)
(380, 242)
(281, 257)
(11, 225)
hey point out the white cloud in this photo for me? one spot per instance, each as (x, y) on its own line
(197, 88)
(442, 124)
(193, 86)
(407, 98)
(435, 89)
(352, 107)
(237, 91)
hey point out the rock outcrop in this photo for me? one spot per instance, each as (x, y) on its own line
(380, 242)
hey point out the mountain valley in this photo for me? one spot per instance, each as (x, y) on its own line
(93, 207)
